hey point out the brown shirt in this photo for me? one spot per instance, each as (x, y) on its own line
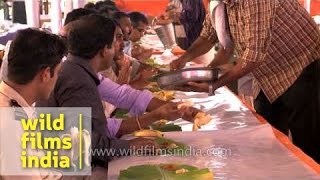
(279, 33)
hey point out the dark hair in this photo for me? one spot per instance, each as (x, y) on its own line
(77, 14)
(90, 34)
(118, 15)
(31, 51)
(137, 17)
(104, 7)
(100, 4)
(89, 5)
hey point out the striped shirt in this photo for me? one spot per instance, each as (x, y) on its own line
(278, 33)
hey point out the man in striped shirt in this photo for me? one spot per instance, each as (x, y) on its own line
(279, 43)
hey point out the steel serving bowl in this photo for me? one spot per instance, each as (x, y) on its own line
(181, 77)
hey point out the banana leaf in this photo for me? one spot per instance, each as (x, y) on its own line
(153, 63)
(166, 127)
(165, 149)
(159, 172)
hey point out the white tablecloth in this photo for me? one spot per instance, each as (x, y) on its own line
(244, 153)
(242, 147)
(225, 108)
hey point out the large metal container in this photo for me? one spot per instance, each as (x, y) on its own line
(181, 77)
(166, 35)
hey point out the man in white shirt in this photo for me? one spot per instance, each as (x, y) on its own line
(31, 76)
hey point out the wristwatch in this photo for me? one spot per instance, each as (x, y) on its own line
(211, 93)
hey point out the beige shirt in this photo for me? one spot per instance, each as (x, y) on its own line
(7, 95)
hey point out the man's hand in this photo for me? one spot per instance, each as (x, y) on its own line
(148, 146)
(178, 63)
(189, 113)
(141, 53)
(168, 111)
(142, 78)
(125, 70)
(148, 71)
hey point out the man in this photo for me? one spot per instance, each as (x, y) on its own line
(124, 20)
(125, 23)
(31, 76)
(139, 23)
(91, 49)
(138, 69)
(121, 71)
(75, 15)
(278, 42)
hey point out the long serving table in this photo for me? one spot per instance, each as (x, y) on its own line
(234, 145)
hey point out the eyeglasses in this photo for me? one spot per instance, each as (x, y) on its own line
(141, 30)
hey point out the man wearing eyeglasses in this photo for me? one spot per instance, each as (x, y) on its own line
(139, 23)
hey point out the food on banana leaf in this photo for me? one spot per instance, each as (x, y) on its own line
(170, 147)
(167, 146)
(147, 133)
(163, 126)
(153, 63)
(165, 172)
(153, 87)
(164, 95)
(201, 119)
(161, 122)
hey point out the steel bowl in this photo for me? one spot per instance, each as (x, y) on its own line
(181, 77)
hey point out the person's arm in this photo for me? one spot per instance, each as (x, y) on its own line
(169, 111)
(130, 125)
(198, 48)
(123, 96)
(208, 38)
(221, 57)
(257, 44)
(155, 103)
